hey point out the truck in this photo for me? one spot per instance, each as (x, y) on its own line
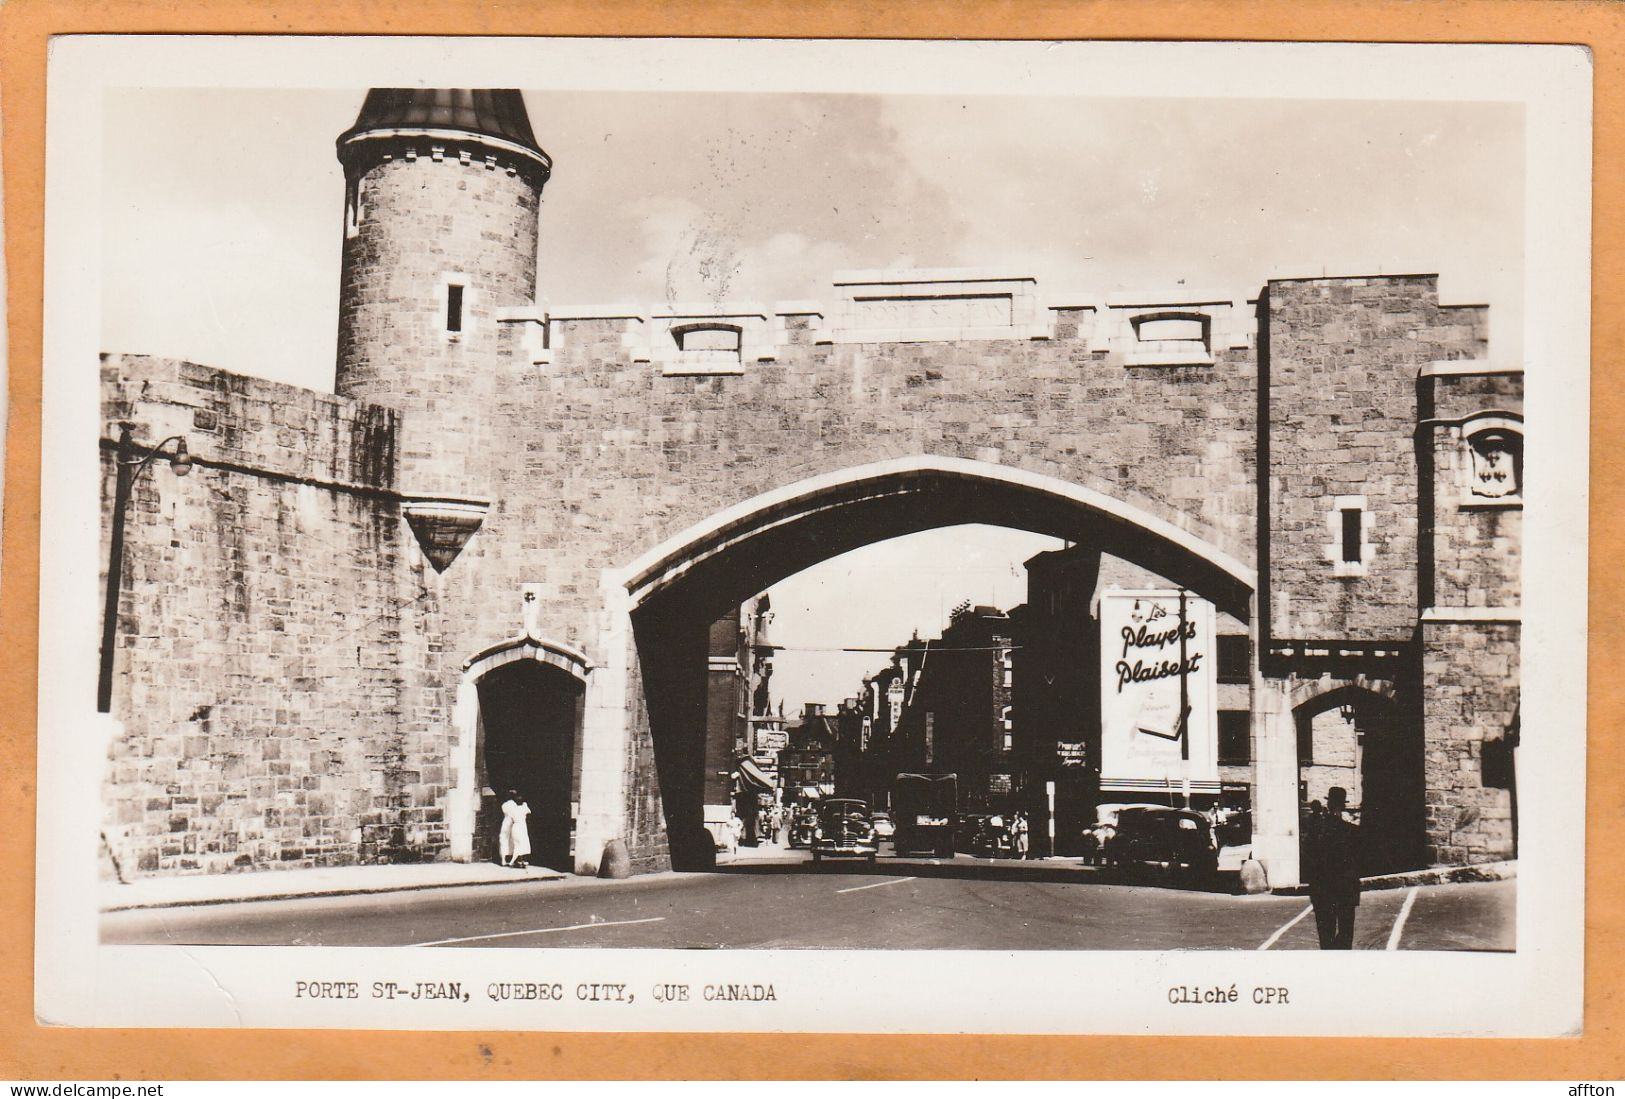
(925, 809)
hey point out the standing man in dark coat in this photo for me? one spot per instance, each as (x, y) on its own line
(1334, 873)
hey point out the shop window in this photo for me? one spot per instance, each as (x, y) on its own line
(1235, 737)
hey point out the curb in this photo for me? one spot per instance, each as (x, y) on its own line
(306, 894)
(1438, 875)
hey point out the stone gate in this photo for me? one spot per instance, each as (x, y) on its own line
(312, 626)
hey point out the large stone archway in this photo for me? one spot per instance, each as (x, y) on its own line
(657, 608)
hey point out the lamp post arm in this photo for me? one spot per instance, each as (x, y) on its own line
(127, 468)
(136, 465)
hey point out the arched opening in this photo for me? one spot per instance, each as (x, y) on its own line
(1363, 740)
(529, 714)
(681, 590)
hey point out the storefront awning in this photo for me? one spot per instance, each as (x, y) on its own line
(754, 778)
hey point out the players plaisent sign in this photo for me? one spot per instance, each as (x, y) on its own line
(1153, 661)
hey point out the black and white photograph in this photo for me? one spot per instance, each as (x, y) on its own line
(654, 534)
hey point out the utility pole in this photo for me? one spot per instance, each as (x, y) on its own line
(1184, 708)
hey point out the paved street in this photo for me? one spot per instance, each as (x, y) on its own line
(789, 903)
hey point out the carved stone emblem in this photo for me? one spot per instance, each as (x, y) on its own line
(1497, 468)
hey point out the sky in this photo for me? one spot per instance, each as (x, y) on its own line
(222, 208)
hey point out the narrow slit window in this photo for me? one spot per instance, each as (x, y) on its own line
(454, 307)
(1351, 535)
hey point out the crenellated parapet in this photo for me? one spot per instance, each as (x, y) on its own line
(1171, 327)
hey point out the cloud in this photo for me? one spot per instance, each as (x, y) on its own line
(698, 255)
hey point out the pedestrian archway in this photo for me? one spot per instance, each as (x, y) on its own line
(529, 714)
(1361, 739)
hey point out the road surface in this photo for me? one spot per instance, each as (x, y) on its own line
(788, 903)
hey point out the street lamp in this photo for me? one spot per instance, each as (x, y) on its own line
(128, 468)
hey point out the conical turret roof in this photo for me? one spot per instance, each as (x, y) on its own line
(493, 112)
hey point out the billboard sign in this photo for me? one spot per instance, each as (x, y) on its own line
(1157, 655)
(1071, 753)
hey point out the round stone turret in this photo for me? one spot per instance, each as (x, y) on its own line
(442, 193)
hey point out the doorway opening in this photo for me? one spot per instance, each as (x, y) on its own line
(1366, 743)
(529, 714)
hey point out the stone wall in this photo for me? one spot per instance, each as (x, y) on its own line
(1476, 553)
(274, 635)
(287, 571)
(1342, 357)
(1470, 712)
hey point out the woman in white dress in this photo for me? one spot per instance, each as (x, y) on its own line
(515, 836)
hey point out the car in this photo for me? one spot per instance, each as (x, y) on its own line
(1097, 838)
(1234, 828)
(884, 828)
(1158, 836)
(802, 827)
(844, 830)
(991, 838)
(969, 830)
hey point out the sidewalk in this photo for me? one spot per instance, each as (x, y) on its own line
(267, 885)
(1438, 875)
(762, 852)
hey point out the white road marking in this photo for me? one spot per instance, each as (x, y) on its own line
(1284, 928)
(541, 931)
(874, 885)
(1404, 914)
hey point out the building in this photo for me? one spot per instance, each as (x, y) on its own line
(1059, 683)
(808, 763)
(742, 737)
(492, 557)
(957, 707)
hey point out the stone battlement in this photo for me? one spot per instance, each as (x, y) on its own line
(1168, 327)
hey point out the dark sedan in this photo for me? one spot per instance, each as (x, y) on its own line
(845, 830)
(1171, 839)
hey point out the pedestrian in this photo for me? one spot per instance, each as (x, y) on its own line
(515, 838)
(1333, 870)
(1020, 827)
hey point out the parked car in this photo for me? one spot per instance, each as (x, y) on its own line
(844, 829)
(1234, 828)
(1172, 839)
(1097, 838)
(968, 831)
(988, 837)
(884, 828)
(802, 826)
